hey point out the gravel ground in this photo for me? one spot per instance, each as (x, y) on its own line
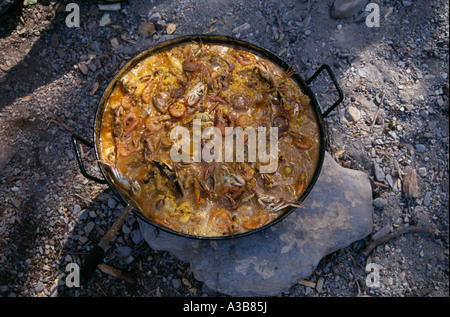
(393, 124)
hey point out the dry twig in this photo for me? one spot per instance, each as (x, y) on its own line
(62, 124)
(307, 283)
(280, 26)
(115, 272)
(417, 229)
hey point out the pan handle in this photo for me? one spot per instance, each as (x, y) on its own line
(97, 253)
(75, 141)
(336, 85)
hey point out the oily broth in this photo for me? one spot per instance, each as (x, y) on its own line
(249, 91)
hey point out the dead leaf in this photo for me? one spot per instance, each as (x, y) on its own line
(410, 183)
(147, 28)
(186, 282)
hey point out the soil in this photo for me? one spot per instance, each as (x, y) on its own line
(395, 118)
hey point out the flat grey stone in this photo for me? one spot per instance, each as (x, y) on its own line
(337, 212)
(379, 174)
(319, 286)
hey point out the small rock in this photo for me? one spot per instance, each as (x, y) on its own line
(398, 221)
(420, 148)
(92, 67)
(382, 232)
(241, 28)
(427, 199)
(380, 202)
(54, 42)
(105, 20)
(76, 209)
(60, 53)
(94, 88)
(407, 3)
(125, 229)
(123, 251)
(96, 46)
(16, 202)
(83, 68)
(93, 10)
(89, 227)
(176, 283)
(155, 16)
(39, 287)
(114, 43)
(362, 72)
(379, 174)
(422, 171)
(353, 114)
(136, 236)
(171, 27)
(110, 7)
(390, 181)
(347, 8)
(319, 285)
(112, 203)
